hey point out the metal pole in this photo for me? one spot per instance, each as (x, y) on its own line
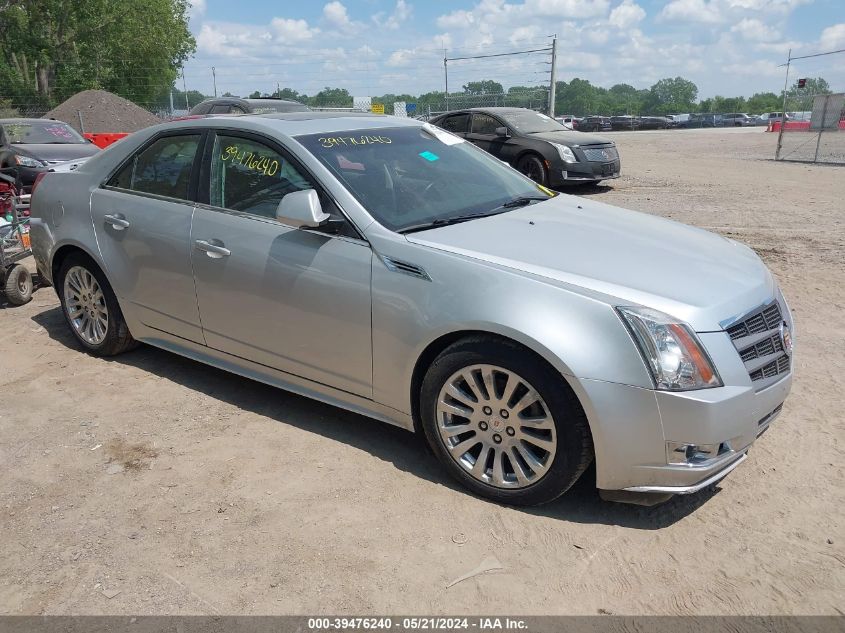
(783, 114)
(185, 90)
(214, 78)
(821, 128)
(446, 77)
(553, 78)
(81, 125)
(171, 103)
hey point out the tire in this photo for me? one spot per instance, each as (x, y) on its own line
(533, 166)
(18, 286)
(107, 334)
(474, 455)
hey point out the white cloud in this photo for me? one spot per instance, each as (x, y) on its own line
(567, 8)
(626, 15)
(754, 30)
(196, 9)
(289, 31)
(833, 37)
(335, 14)
(691, 11)
(401, 12)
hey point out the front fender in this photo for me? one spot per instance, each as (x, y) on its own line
(579, 335)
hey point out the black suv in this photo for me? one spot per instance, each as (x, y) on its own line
(594, 124)
(236, 105)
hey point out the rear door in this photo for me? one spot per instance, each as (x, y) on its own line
(142, 219)
(297, 300)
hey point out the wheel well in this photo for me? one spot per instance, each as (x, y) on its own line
(61, 255)
(438, 345)
(530, 152)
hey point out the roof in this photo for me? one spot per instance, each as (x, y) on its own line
(29, 120)
(296, 123)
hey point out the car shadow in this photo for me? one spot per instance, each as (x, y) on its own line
(404, 450)
(587, 189)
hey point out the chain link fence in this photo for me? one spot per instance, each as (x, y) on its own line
(813, 129)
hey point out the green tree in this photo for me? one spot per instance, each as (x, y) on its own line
(51, 49)
(813, 86)
(331, 98)
(672, 95)
(764, 102)
(483, 87)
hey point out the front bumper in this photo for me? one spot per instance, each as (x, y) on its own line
(633, 429)
(584, 171)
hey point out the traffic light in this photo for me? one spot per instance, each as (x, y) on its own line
(802, 83)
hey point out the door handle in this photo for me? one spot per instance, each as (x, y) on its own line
(117, 221)
(212, 249)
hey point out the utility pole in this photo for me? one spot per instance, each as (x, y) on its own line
(446, 77)
(214, 78)
(783, 114)
(185, 90)
(553, 78)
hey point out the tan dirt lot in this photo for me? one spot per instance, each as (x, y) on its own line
(189, 490)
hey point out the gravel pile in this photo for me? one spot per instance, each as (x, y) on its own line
(102, 111)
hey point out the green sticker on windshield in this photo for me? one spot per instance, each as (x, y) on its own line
(430, 156)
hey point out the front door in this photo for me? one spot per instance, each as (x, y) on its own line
(483, 134)
(291, 299)
(142, 219)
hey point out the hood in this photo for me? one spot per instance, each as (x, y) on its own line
(57, 152)
(626, 256)
(571, 138)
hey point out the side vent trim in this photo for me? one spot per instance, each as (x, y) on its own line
(398, 266)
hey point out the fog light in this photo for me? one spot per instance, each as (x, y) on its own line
(693, 454)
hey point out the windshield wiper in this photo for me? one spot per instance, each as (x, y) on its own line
(447, 221)
(522, 201)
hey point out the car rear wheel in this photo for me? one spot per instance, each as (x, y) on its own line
(534, 167)
(91, 309)
(506, 426)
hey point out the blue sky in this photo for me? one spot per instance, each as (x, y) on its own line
(372, 47)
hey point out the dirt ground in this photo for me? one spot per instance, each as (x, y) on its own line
(151, 484)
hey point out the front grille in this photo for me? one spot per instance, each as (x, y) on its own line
(767, 319)
(758, 339)
(601, 154)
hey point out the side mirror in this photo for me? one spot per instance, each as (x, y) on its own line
(503, 131)
(302, 210)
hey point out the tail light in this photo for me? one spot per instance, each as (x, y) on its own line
(37, 180)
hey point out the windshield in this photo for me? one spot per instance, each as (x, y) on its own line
(40, 132)
(407, 176)
(530, 122)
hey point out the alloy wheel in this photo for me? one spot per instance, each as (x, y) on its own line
(496, 426)
(85, 304)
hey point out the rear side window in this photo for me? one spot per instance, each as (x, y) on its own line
(163, 168)
(456, 123)
(221, 109)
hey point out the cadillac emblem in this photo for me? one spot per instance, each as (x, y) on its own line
(786, 338)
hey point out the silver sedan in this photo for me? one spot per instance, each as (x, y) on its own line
(388, 267)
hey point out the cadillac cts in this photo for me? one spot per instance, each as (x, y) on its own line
(388, 267)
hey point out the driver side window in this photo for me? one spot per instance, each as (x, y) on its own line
(484, 124)
(250, 177)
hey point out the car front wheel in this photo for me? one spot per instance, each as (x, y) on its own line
(503, 423)
(534, 167)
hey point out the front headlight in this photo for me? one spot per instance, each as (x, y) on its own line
(566, 153)
(671, 350)
(26, 161)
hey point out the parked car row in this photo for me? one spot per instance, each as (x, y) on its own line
(599, 123)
